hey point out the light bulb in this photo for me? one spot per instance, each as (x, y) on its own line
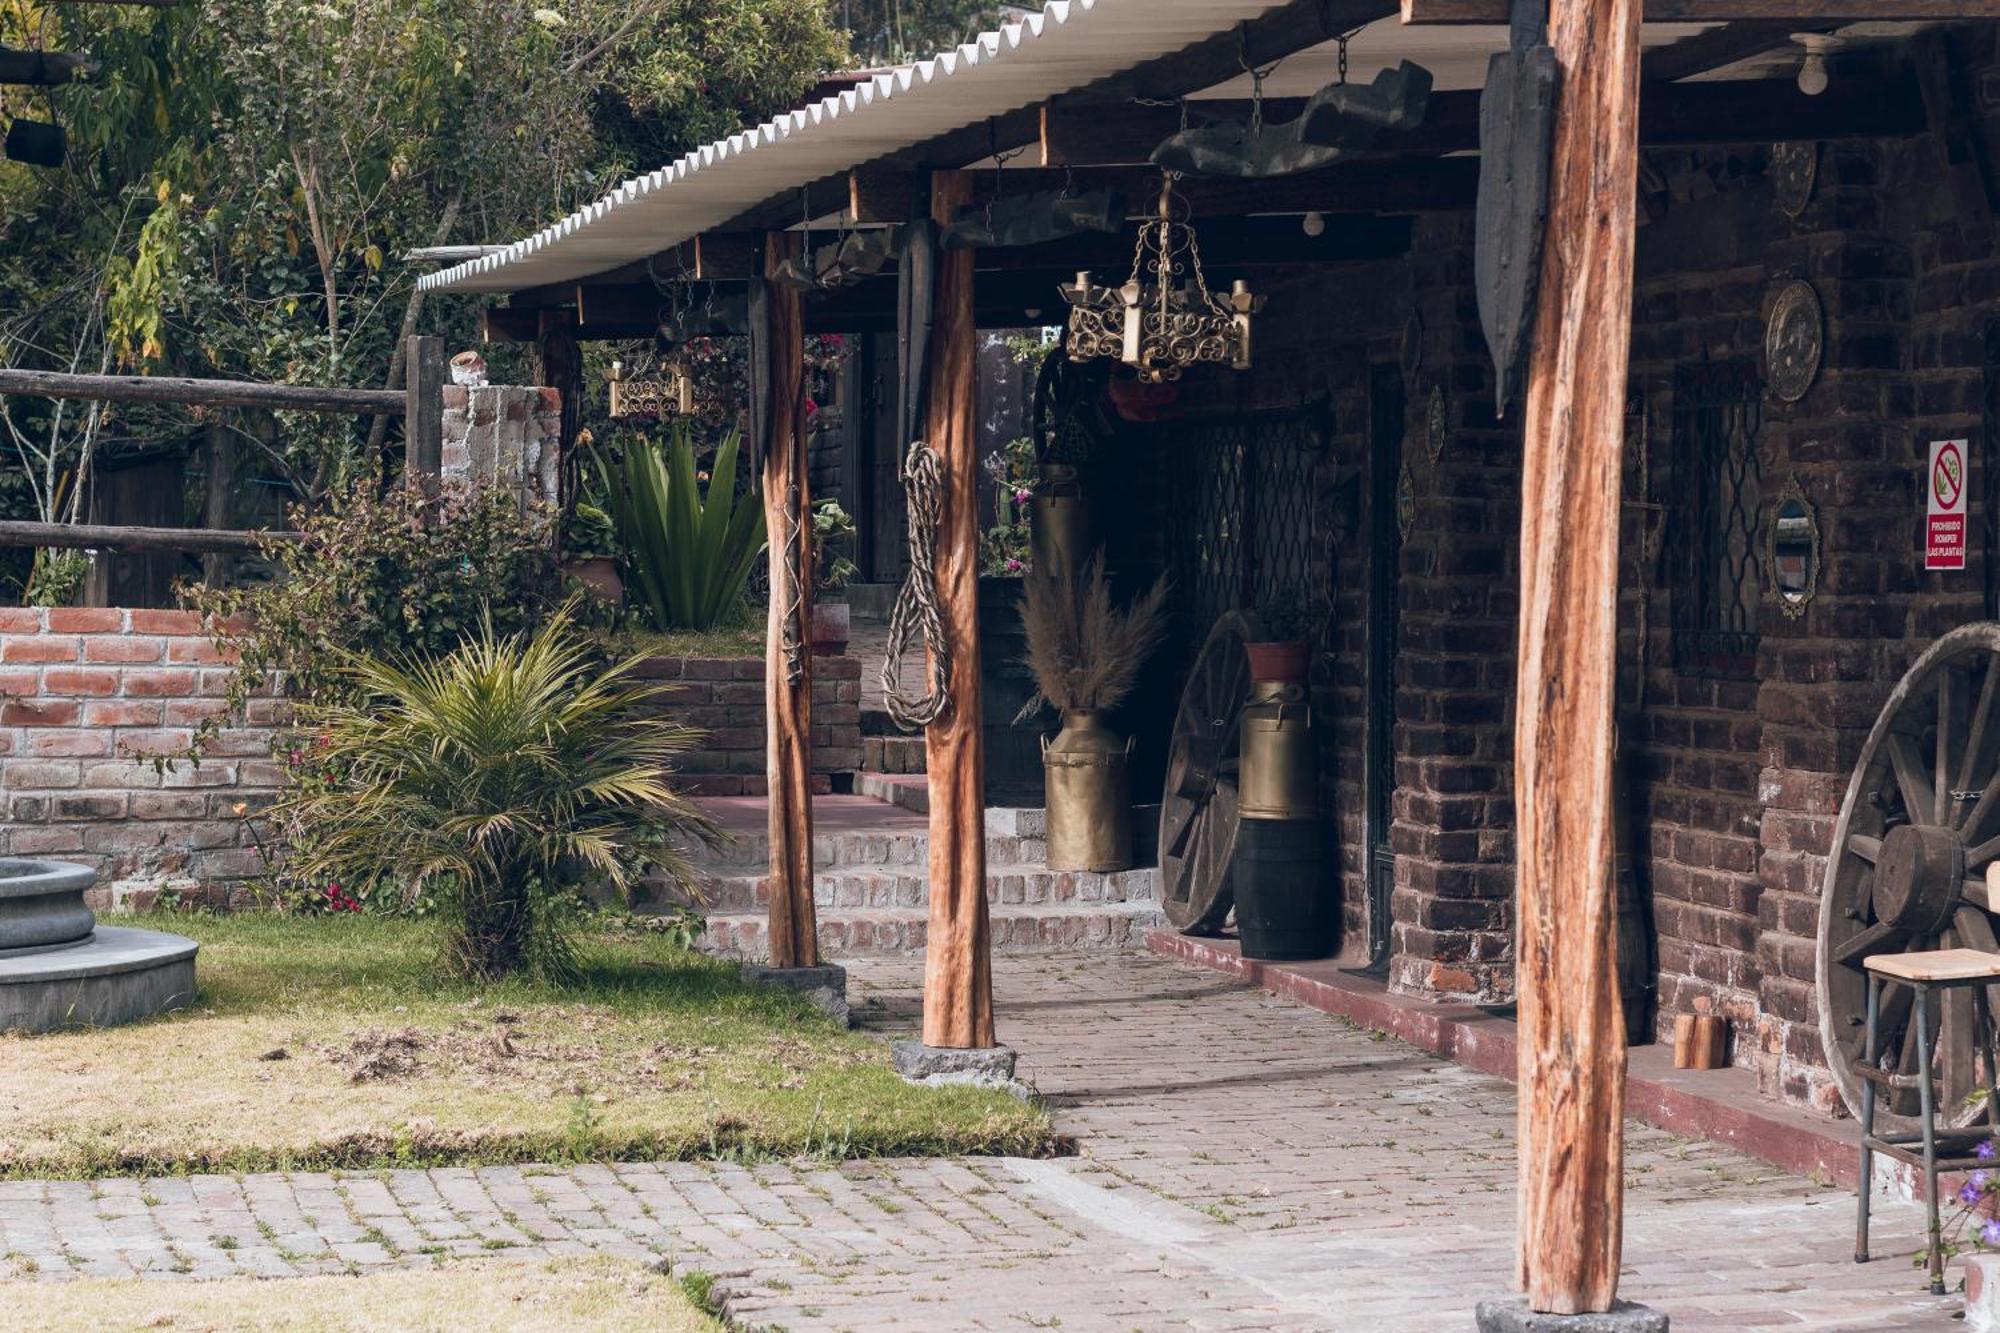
(1314, 223)
(1812, 75)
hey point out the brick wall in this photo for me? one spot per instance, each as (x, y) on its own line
(506, 435)
(725, 697)
(83, 691)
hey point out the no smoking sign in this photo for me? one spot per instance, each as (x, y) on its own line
(1944, 516)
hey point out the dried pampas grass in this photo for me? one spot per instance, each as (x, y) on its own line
(1084, 652)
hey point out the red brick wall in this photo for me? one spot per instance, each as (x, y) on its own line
(82, 692)
(725, 697)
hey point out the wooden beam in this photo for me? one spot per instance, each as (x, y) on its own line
(423, 414)
(200, 393)
(45, 69)
(1572, 1034)
(793, 927)
(508, 324)
(1732, 11)
(958, 978)
(722, 256)
(627, 304)
(101, 536)
(1871, 105)
(1719, 47)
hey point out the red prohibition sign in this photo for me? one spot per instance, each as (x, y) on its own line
(1948, 476)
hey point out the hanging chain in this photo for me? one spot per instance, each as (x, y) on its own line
(916, 612)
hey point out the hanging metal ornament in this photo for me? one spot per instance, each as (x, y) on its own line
(1794, 173)
(1437, 425)
(1793, 341)
(658, 397)
(1163, 319)
(1031, 219)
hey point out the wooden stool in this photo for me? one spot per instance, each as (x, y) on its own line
(1937, 970)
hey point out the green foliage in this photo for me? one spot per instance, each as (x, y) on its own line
(833, 535)
(501, 776)
(56, 578)
(1004, 548)
(891, 31)
(690, 552)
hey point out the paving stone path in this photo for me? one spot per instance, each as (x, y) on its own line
(1245, 1164)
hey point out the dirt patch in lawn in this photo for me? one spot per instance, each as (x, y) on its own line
(585, 1295)
(322, 1044)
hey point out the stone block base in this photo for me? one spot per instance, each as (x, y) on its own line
(115, 976)
(1982, 1293)
(1514, 1316)
(991, 1066)
(825, 985)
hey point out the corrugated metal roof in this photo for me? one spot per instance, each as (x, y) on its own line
(1066, 46)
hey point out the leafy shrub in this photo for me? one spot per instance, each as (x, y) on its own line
(690, 551)
(497, 778)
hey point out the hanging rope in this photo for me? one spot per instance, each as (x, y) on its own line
(917, 612)
(792, 636)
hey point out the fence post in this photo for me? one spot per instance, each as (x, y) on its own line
(423, 414)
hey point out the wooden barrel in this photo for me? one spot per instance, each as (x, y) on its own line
(1287, 904)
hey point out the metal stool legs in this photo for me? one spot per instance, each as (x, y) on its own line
(1869, 1056)
(1927, 1111)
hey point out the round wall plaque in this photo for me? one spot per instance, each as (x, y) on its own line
(1794, 172)
(1793, 341)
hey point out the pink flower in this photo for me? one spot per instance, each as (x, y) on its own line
(1014, 565)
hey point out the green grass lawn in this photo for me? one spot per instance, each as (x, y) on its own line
(321, 1042)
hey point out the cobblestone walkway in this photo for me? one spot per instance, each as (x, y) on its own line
(1246, 1164)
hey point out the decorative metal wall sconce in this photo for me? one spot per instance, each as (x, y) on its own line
(1164, 318)
(650, 397)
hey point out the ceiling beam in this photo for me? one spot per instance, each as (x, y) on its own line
(1080, 134)
(1722, 46)
(1731, 11)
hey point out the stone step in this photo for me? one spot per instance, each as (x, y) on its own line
(1006, 885)
(1014, 929)
(910, 791)
(892, 754)
(750, 852)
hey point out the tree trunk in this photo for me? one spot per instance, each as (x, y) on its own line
(958, 980)
(794, 927)
(378, 430)
(1572, 1036)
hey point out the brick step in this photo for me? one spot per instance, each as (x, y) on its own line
(910, 791)
(1006, 885)
(892, 754)
(1015, 929)
(750, 853)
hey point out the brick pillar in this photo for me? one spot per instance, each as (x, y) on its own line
(506, 435)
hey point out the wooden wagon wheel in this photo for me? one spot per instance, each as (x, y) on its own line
(1198, 807)
(1917, 831)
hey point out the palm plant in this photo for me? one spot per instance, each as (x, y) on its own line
(690, 553)
(499, 777)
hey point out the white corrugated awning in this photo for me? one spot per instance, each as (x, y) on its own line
(1068, 45)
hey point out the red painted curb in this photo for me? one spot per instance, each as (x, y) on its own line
(1722, 1105)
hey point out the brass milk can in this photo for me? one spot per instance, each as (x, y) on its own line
(1089, 795)
(1059, 523)
(1279, 778)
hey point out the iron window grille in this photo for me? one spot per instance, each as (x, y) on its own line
(1717, 416)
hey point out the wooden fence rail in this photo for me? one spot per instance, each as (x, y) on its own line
(98, 536)
(203, 393)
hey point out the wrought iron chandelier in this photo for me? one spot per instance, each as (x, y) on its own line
(653, 397)
(1164, 318)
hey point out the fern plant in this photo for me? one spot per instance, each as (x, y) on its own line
(690, 553)
(496, 778)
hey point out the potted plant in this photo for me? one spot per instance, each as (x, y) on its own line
(1284, 654)
(833, 543)
(590, 546)
(1085, 655)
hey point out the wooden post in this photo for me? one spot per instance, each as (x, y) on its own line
(794, 928)
(1572, 1036)
(218, 498)
(958, 978)
(423, 413)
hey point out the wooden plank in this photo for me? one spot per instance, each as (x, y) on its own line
(423, 414)
(1732, 11)
(721, 256)
(45, 69)
(199, 393)
(1572, 1033)
(794, 932)
(507, 324)
(16, 533)
(958, 979)
(625, 304)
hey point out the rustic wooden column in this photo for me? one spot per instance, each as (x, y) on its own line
(1572, 1040)
(794, 928)
(958, 977)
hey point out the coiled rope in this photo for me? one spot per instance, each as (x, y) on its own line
(916, 611)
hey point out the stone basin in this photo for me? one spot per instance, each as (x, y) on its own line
(59, 969)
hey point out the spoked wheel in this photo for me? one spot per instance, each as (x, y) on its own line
(1198, 807)
(1907, 872)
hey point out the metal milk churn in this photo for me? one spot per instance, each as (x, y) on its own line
(1279, 777)
(1059, 523)
(1089, 795)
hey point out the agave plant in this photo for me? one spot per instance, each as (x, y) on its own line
(690, 553)
(497, 777)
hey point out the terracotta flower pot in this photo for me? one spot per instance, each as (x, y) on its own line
(599, 575)
(829, 629)
(1285, 662)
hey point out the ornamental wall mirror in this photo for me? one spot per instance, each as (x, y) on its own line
(1791, 550)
